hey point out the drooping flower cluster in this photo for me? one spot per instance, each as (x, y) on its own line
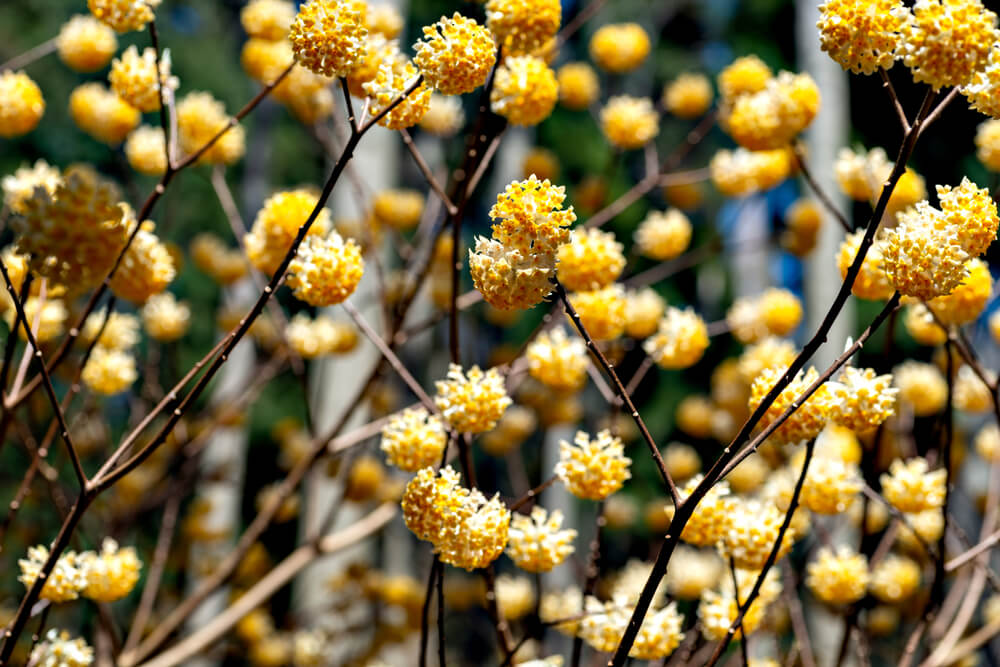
(413, 439)
(312, 338)
(967, 301)
(109, 371)
(741, 172)
(267, 19)
(106, 576)
(20, 186)
(466, 529)
(718, 609)
(471, 401)
(707, 523)
(864, 399)
(774, 312)
(394, 76)
(536, 543)
(922, 387)
(595, 468)
(145, 150)
(512, 269)
(806, 422)
(165, 318)
(871, 282)
(325, 271)
(894, 579)
(644, 308)
(680, 341)
(688, 96)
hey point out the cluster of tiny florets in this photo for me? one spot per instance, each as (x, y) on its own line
(85, 43)
(558, 361)
(394, 77)
(806, 422)
(912, 487)
(864, 399)
(579, 86)
(58, 650)
(123, 15)
(663, 235)
(688, 96)
(839, 577)
(328, 37)
(629, 122)
(472, 401)
(680, 341)
(770, 118)
(146, 268)
(742, 172)
(200, 117)
(165, 318)
(325, 271)
(945, 42)
(601, 311)
(536, 543)
(593, 468)
(277, 223)
(619, 47)
(591, 260)
(102, 114)
(455, 55)
(922, 387)
(750, 532)
(413, 439)
(133, 77)
(861, 35)
(524, 90)
(522, 26)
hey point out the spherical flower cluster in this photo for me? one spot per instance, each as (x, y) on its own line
(199, 118)
(772, 117)
(743, 76)
(455, 55)
(123, 15)
(691, 572)
(145, 149)
(64, 582)
(922, 387)
(864, 399)
(277, 223)
(803, 222)
(558, 361)
(659, 634)
(513, 268)
(102, 114)
(750, 532)
(398, 208)
(860, 35)
(769, 352)
(741, 172)
(595, 468)
(591, 260)
(120, 330)
(313, 338)
(987, 442)
(515, 596)
(267, 19)
(910, 487)
(110, 574)
(146, 268)
(413, 439)
(629, 122)
(780, 311)
(264, 60)
(109, 371)
(603, 623)
(85, 44)
(894, 579)
(20, 186)
(923, 255)
(601, 312)
(946, 42)
(74, 234)
(378, 50)
(680, 340)
(663, 235)
(972, 210)
(619, 47)
(717, 611)
(970, 393)
(328, 37)
(165, 318)
(578, 85)
(838, 578)
(50, 314)
(688, 96)
(983, 91)
(473, 401)
(394, 77)
(536, 543)
(325, 271)
(806, 422)
(920, 324)
(133, 77)
(831, 485)
(987, 142)
(523, 26)
(444, 116)
(707, 523)
(644, 309)
(871, 283)
(21, 104)
(58, 650)
(967, 300)
(466, 529)
(525, 90)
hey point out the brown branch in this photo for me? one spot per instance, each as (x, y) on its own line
(31, 55)
(820, 193)
(426, 171)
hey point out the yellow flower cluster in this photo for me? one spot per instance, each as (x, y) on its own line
(838, 578)
(967, 301)
(455, 55)
(578, 85)
(972, 210)
(267, 19)
(803, 222)
(413, 439)
(871, 283)
(862, 35)
(644, 309)
(146, 268)
(983, 92)
(444, 116)
(145, 149)
(102, 114)
(515, 596)
(399, 208)
(659, 634)
(312, 338)
(831, 484)
(692, 571)
(591, 260)
(604, 623)
(325, 271)
(971, 394)
(199, 118)
(806, 422)
(718, 610)
(111, 574)
(513, 268)
(559, 605)
(525, 90)
(920, 324)
(522, 26)
(328, 37)
(988, 144)
(123, 15)
(894, 579)
(707, 523)
(595, 468)
(922, 387)
(20, 186)
(74, 234)
(277, 223)
(601, 311)
(619, 47)
(629, 122)
(472, 401)
(64, 582)
(774, 312)
(946, 41)
(987, 442)
(663, 235)
(750, 532)
(911, 487)
(864, 399)
(58, 650)
(121, 331)
(688, 96)
(165, 318)
(558, 361)
(466, 529)
(770, 118)
(133, 77)
(395, 74)
(536, 543)
(741, 172)
(109, 371)
(50, 313)
(85, 44)
(923, 255)
(680, 341)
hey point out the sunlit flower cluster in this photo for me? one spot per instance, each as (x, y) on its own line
(861, 35)
(602, 311)
(593, 468)
(945, 42)
(663, 235)
(680, 341)
(413, 439)
(578, 85)
(123, 15)
(325, 271)
(770, 118)
(557, 360)
(200, 117)
(912, 487)
(619, 47)
(740, 172)
(629, 122)
(839, 577)
(86, 44)
(471, 401)
(102, 114)
(277, 223)
(328, 37)
(133, 77)
(522, 26)
(524, 90)
(537, 543)
(455, 55)
(591, 260)
(58, 650)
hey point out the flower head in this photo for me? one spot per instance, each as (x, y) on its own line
(20, 186)
(741, 172)
(922, 387)
(58, 650)
(593, 468)
(619, 47)
(21, 104)
(988, 144)
(522, 26)
(525, 90)
(399, 208)
(871, 282)
(803, 222)
(806, 422)
(911, 487)
(328, 37)
(109, 372)
(591, 260)
(325, 271)
(147, 266)
(707, 523)
(578, 85)
(923, 255)
(86, 44)
(629, 122)
(680, 341)
(861, 35)
(394, 76)
(839, 577)
(199, 118)
(644, 308)
(750, 532)
(831, 485)
(112, 573)
(133, 77)
(972, 210)
(102, 114)
(558, 361)
(772, 117)
(946, 41)
(865, 399)
(743, 76)
(120, 330)
(444, 116)
(413, 439)
(267, 19)
(455, 55)
(64, 582)
(165, 318)
(894, 579)
(472, 401)
(277, 223)
(145, 149)
(663, 235)
(123, 15)
(688, 96)
(601, 311)
(536, 543)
